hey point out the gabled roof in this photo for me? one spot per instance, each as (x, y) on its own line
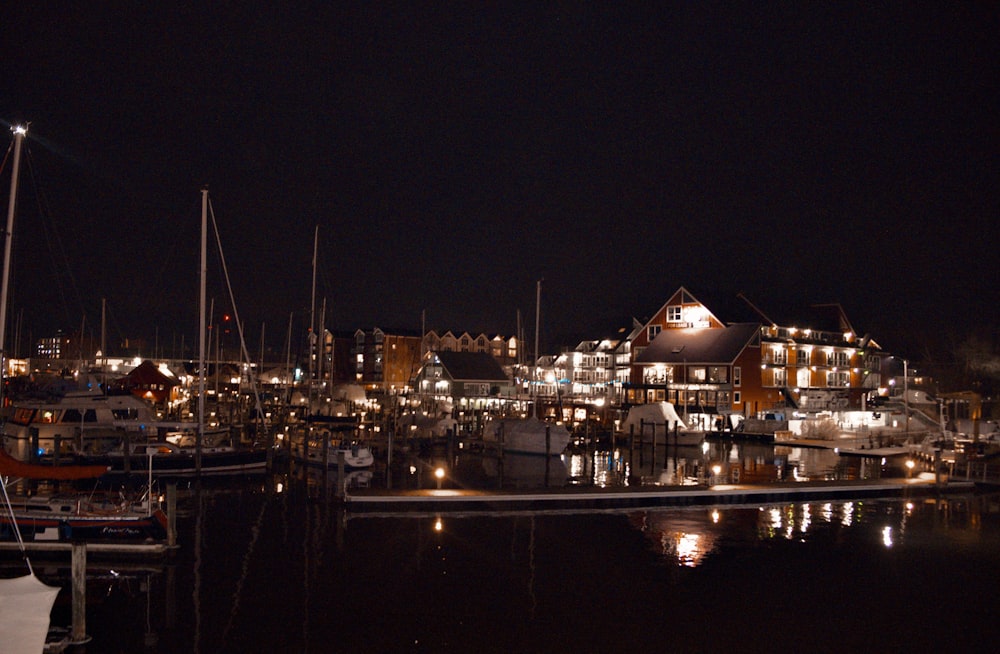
(695, 345)
(471, 366)
(147, 373)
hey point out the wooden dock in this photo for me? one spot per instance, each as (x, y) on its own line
(618, 498)
(98, 549)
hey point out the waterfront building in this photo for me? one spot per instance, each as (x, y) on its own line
(708, 363)
(473, 380)
(386, 359)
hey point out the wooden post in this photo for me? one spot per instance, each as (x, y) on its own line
(666, 443)
(548, 440)
(652, 449)
(79, 574)
(172, 514)
(642, 429)
(341, 478)
(388, 459)
(631, 447)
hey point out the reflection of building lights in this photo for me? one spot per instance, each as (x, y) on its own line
(438, 525)
(715, 516)
(775, 516)
(847, 514)
(887, 536)
(688, 552)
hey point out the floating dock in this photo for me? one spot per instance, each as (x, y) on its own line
(617, 498)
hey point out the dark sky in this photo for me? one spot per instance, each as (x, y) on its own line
(453, 154)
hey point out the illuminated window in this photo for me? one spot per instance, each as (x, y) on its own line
(780, 377)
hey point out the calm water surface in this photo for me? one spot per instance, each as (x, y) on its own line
(272, 567)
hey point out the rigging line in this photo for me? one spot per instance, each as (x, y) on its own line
(54, 241)
(17, 528)
(255, 535)
(6, 156)
(239, 323)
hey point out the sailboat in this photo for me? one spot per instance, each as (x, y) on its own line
(529, 435)
(326, 440)
(25, 602)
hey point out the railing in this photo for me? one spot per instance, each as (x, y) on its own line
(982, 471)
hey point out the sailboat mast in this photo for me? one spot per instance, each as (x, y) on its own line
(19, 133)
(312, 318)
(203, 272)
(534, 369)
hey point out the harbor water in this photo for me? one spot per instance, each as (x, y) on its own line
(273, 565)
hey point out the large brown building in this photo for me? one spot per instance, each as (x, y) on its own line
(746, 363)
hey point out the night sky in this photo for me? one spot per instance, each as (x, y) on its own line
(453, 154)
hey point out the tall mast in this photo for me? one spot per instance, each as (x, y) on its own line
(312, 318)
(202, 273)
(19, 133)
(534, 369)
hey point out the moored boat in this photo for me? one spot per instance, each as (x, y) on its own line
(323, 440)
(660, 420)
(67, 518)
(528, 436)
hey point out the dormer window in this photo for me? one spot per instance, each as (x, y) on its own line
(674, 313)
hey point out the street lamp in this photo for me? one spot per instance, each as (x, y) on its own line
(439, 474)
(906, 397)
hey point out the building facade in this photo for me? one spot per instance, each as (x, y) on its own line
(702, 362)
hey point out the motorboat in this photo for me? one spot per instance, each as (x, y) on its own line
(527, 436)
(325, 440)
(660, 418)
(81, 421)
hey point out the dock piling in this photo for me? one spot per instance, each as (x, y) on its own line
(79, 573)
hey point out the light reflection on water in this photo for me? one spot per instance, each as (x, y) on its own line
(750, 463)
(278, 572)
(276, 566)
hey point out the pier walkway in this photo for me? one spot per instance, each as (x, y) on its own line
(617, 498)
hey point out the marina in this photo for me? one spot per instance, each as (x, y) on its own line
(756, 410)
(264, 567)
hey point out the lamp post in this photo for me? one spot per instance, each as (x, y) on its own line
(906, 397)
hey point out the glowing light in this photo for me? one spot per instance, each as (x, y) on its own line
(20, 130)
(438, 525)
(887, 536)
(715, 516)
(439, 473)
(688, 551)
